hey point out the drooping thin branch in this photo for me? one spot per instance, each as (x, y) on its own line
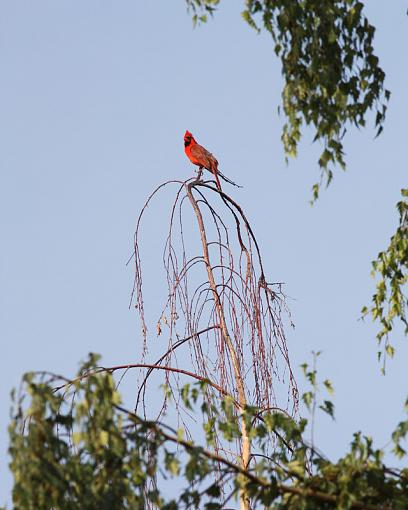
(172, 349)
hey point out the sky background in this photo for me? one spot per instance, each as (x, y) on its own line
(94, 101)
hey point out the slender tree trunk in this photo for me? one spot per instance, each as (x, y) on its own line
(245, 444)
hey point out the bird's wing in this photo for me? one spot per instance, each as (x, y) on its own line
(203, 157)
(198, 151)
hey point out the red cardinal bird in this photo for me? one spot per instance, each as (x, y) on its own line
(203, 159)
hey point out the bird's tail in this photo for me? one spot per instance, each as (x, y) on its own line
(228, 180)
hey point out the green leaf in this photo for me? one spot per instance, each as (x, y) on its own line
(308, 399)
(389, 349)
(328, 386)
(328, 408)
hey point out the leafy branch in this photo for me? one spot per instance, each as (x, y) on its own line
(332, 76)
(390, 300)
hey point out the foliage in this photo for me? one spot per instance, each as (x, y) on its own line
(391, 267)
(77, 447)
(332, 77)
(201, 9)
(71, 449)
(310, 397)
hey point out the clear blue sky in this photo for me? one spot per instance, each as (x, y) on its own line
(94, 100)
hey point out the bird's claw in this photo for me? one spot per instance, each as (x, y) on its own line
(199, 174)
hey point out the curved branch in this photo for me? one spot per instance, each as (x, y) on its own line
(149, 366)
